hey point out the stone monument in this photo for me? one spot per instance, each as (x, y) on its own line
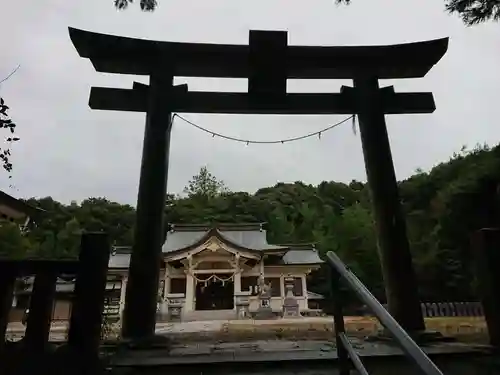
(175, 303)
(290, 304)
(264, 311)
(243, 305)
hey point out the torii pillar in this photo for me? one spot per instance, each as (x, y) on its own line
(400, 281)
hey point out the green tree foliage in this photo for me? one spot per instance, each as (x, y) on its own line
(13, 244)
(204, 185)
(443, 207)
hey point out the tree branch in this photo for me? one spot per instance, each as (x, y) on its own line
(474, 12)
(7, 123)
(146, 5)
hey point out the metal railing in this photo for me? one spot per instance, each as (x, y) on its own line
(347, 356)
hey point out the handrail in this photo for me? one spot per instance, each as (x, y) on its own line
(409, 347)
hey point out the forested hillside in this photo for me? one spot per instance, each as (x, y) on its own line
(442, 208)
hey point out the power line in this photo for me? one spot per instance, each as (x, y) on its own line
(249, 141)
(10, 75)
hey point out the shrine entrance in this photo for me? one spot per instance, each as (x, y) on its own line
(216, 293)
(267, 62)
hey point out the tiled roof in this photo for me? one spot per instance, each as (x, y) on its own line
(249, 236)
(301, 257)
(18, 205)
(313, 296)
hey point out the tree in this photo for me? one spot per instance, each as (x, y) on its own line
(6, 123)
(146, 5)
(13, 243)
(472, 12)
(68, 240)
(443, 207)
(205, 185)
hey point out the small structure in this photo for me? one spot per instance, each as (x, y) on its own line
(174, 305)
(265, 310)
(290, 305)
(15, 210)
(314, 300)
(64, 295)
(242, 305)
(227, 267)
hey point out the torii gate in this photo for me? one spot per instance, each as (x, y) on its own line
(267, 62)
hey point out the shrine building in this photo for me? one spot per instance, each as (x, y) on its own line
(209, 269)
(16, 210)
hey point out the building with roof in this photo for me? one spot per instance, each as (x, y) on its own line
(16, 210)
(207, 268)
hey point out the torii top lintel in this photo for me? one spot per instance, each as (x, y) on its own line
(115, 54)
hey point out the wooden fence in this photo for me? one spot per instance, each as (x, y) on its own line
(446, 309)
(90, 272)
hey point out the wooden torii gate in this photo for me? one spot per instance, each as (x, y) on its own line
(267, 61)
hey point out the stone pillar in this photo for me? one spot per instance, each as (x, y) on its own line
(290, 304)
(282, 286)
(190, 293)
(395, 258)
(123, 292)
(167, 280)
(139, 316)
(304, 292)
(237, 286)
(166, 292)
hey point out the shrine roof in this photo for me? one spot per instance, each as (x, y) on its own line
(16, 207)
(314, 296)
(249, 236)
(301, 257)
(119, 260)
(122, 55)
(245, 236)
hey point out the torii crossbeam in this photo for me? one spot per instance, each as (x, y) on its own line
(268, 62)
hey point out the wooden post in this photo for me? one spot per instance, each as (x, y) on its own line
(486, 246)
(86, 314)
(139, 315)
(7, 280)
(40, 315)
(394, 250)
(336, 300)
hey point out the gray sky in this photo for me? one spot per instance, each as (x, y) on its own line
(70, 152)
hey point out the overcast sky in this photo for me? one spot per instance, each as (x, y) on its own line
(70, 152)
